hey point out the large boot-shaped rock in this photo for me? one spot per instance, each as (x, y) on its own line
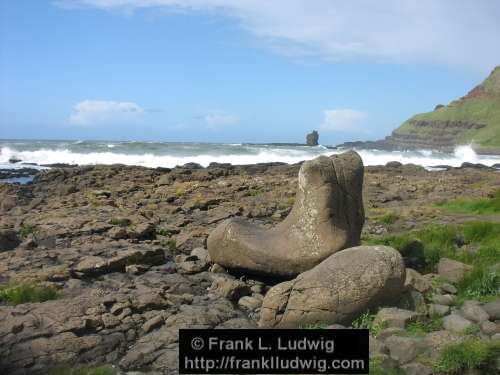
(337, 290)
(327, 217)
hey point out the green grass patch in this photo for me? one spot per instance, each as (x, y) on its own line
(475, 243)
(387, 219)
(101, 370)
(26, 230)
(473, 329)
(469, 354)
(255, 191)
(427, 245)
(377, 369)
(24, 293)
(436, 241)
(171, 246)
(422, 328)
(479, 206)
(120, 221)
(481, 284)
(365, 321)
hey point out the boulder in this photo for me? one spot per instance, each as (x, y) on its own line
(143, 231)
(413, 300)
(327, 217)
(473, 311)
(250, 303)
(493, 309)
(416, 281)
(8, 240)
(394, 317)
(456, 323)
(490, 328)
(337, 290)
(452, 270)
(438, 310)
(443, 299)
(404, 349)
(227, 287)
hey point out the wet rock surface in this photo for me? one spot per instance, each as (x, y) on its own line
(126, 249)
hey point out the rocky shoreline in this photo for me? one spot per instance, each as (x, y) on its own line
(125, 251)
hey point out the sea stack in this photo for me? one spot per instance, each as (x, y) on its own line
(312, 138)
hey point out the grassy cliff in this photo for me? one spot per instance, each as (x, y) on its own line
(475, 119)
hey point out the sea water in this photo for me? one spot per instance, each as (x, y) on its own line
(164, 154)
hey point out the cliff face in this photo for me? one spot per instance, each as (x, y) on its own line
(474, 118)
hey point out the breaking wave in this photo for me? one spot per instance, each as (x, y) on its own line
(172, 154)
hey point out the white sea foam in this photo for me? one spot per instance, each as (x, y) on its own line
(236, 155)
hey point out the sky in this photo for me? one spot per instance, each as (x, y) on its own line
(236, 70)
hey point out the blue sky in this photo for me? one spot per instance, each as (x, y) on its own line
(233, 71)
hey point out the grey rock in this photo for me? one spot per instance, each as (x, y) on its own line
(376, 347)
(416, 281)
(413, 300)
(153, 323)
(456, 323)
(118, 233)
(192, 266)
(250, 303)
(229, 288)
(201, 253)
(143, 231)
(452, 270)
(327, 217)
(448, 288)
(416, 369)
(388, 332)
(493, 309)
(473, 311)
(404, 349)
(438, 310)
(443, 299)
(395, 317)
(490, 328)
(8, 240)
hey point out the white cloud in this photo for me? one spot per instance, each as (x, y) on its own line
(217, 119)
(94, 112)
(444, 32)
(342, 119)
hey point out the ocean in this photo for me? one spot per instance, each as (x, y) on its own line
(163, 154)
